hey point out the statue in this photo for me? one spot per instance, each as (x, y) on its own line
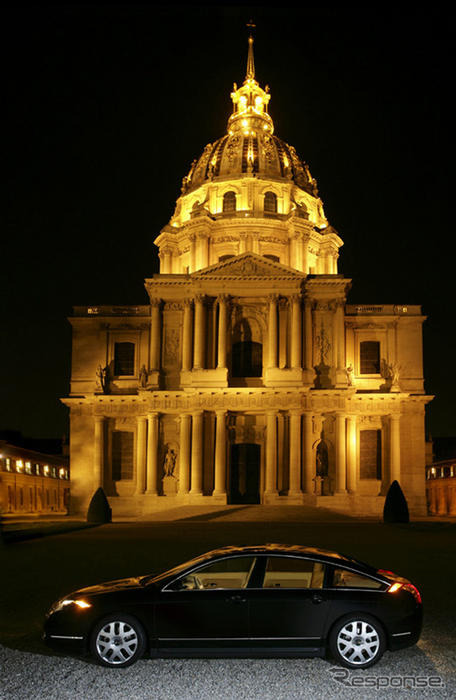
(350, 375)
(393, 374)
(143, 377)
(103, 378)
(169, 463)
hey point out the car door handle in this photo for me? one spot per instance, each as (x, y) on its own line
(316, 599)
(237, 599)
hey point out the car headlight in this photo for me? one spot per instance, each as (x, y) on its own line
(64, 602)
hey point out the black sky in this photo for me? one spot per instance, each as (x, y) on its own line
(107, 106)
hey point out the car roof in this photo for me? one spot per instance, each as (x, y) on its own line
(287, 549)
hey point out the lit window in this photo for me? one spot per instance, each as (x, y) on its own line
(19, 465)
(46, 470)
(37, 469)
(28, 467)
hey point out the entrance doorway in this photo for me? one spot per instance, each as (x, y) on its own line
(245, 473)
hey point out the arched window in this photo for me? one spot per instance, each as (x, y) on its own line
(270, 203)
(229, 202)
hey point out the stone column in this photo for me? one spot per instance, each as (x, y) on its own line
(184, 454)
(296, 332)
(98, 462)
(308, 461)
(197, 454)
(222, 331)
(141, 454)
(192, 253)
(271, 454)
(395, 447)
(152, 454)
(295, 453)
(305, 257)
(242, 243)
(204, 250)
(155, 334)
(166, 257)
(220, 455)
(273, 344)
(187, 337)
(340, 325)
(200, 332)
(351, 454)
(308, 335)
(341, 475)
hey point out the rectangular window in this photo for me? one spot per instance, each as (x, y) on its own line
(122, 455)
(369, 357)
(370, 454)
(124, 359)
(287, 572)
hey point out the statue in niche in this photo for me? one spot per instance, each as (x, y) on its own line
(103, 378)
(322, 459)
(390, 372)
(350, 372)
(169, 464)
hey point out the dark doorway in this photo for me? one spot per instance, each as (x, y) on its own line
(245, 473)
(247, 359)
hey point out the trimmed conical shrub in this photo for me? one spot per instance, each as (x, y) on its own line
(395, 509)
(99, 508)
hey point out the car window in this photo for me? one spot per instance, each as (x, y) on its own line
(225, 573)
(343, 578)
(291, 572)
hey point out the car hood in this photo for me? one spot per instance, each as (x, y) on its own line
(121, 584)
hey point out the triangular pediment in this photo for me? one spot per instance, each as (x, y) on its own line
(248, 265)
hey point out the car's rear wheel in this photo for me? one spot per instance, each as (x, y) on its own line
(357, 641)
(118, 641)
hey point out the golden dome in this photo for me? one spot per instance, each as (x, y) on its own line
(250, 147)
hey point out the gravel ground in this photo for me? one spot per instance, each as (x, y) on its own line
(24, 675)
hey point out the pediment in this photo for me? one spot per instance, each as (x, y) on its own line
(248, 265)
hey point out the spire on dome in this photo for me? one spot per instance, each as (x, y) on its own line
(250, 75)
(250, 101)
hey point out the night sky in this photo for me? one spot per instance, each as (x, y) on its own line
(107, 106)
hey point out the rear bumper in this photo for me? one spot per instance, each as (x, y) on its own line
(408, 633)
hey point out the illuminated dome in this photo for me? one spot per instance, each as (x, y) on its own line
(250, 147)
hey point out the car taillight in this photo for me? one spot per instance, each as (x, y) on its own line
(414, 591)
(409, 587)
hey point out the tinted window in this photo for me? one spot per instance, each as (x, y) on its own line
(226, 573)
(289, 572)
(350, 579)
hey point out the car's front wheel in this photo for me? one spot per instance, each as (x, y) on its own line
(357, 641)
(118, 641)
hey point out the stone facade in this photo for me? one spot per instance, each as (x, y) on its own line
(247, 378)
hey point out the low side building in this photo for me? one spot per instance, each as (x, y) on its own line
(32, 483)
(441, 487)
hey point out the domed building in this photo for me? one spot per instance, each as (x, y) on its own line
(247, 378)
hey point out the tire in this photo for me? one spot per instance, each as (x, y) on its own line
(357, 641)
(117, 641)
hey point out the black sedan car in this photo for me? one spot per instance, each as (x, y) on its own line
(266, 600)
